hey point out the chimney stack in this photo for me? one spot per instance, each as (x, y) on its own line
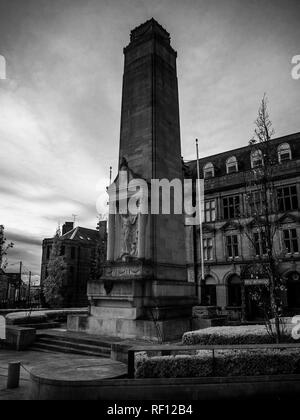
(67, 227)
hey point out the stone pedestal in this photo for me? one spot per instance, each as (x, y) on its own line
(128, 303)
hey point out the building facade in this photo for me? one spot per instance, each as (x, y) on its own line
(232, 245)
(78, 246)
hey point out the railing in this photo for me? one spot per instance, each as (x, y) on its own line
(167, 350)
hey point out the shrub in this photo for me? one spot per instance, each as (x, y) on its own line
(253, 334)
(226, 363)
(174, 366)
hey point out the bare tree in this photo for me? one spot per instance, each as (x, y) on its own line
(262, 220)
(4, 247)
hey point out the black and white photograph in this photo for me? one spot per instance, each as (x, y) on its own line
(150, 203)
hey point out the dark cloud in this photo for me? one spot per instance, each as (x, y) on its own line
(17, 238)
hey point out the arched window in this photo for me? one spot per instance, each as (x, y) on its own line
(231, 165)
(256, 159)
(209, 171)
(235, 291)
(293, 290)
(209, 291)
(284, 152)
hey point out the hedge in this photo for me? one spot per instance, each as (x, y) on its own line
(253, 334)
(226, 363)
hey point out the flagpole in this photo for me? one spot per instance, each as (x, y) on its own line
(200, 223)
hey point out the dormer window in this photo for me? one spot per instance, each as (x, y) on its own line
(257, 159)
(284, 153)
(209, 171)
(232, 165)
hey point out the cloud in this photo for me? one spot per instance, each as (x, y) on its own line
(17, 237)
(60, 106)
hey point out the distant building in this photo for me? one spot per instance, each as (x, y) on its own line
(34, 296)
(230, 257)
(10, 284)
(3, 286)
(78, 247)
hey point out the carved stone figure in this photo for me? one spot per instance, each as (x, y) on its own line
(129, 244)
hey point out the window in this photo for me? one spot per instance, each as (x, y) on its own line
(231, 207)
(209, 292)
(290, 241)
(284, 152)
(49, 249)
(210, 211)
(256, 203)
(260, 244)
(256, 159)
(72, 274)
(293, 290)
(208, 249)
(231, 165)
(209, 171)
(232, 246)
(235, 291)
(287, 198)
(62, 251)
(73, 253)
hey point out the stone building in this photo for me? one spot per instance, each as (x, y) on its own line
(230, 256)
(78, 246)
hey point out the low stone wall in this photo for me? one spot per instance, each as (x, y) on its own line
(200, 389)
(19, 338)
(28, 317)
(5, 312)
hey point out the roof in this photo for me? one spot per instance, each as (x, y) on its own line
(81, 234)
(243, 156)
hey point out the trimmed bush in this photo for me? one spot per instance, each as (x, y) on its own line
(253, 334)
(226, 363)
(174, 367)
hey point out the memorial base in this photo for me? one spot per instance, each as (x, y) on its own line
(167, 330)
(128, 302)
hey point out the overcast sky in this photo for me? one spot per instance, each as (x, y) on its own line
(60, 105)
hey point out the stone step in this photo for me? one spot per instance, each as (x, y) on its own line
(66, 343)
(75, 339)
(70, 350)
(43, 326)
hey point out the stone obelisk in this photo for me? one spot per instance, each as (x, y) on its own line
(143, 292)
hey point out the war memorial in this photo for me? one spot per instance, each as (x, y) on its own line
(144, 291)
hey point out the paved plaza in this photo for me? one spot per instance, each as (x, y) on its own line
(102, 368)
